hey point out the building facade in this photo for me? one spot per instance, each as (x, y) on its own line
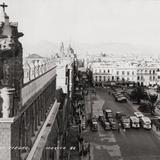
(31, 117)
(104, 72)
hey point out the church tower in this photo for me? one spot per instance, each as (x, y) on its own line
(11, 81)
(11, 67)
(62, 50)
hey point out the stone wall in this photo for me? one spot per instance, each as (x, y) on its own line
(35, 69)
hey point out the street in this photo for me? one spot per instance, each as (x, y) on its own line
(132, 144)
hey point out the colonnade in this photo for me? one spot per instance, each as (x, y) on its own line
(32, 119)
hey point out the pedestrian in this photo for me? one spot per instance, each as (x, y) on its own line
(118, 129)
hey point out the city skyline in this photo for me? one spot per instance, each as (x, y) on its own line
(105, 21)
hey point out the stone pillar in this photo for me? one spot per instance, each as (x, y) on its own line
(41, 105)
(5, 136)
(7, 105)
(58, 150)
(39, 110)
(35, 115)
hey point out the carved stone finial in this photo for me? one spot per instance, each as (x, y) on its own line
(3, 6)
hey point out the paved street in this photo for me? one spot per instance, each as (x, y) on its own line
(134, 144)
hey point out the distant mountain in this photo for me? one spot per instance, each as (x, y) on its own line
(47, 48)
(118, 49)
(107, 48)
(43, 48)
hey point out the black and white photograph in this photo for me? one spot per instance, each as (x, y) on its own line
(79, 79)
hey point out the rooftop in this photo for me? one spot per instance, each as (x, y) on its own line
(34, 56)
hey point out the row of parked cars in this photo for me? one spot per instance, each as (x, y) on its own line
(108, 121)
(135, 121)
(119, 97)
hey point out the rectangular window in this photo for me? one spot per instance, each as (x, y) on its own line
(150, 78)
(153, 71)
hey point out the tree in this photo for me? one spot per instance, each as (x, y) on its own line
(138, 94)
(152, 99)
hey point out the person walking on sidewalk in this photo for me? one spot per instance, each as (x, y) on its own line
(118, 129)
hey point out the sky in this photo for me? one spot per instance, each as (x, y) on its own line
(87, 21)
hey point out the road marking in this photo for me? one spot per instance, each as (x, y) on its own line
(107, 136)
(112, 150)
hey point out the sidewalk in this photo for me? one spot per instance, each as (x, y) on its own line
(88, 103)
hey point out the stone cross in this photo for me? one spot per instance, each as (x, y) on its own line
(3, 6)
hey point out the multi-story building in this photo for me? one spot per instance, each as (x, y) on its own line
(148, 75)
(120, 71)
(112, 72)
(33, 121)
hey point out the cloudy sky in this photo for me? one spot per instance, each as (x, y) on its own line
(89, 21)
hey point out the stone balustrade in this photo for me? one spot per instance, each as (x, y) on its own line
(35, 69)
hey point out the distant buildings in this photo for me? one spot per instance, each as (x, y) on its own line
(32, 58)
(125, 70)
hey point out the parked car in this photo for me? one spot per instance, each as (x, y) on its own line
(108, 113)
(105, 124)
(121, 99)
(125, 121)
(146, 122)
(138, 115)
(134, 122)
(94, 124)
(101, 118)
(119, 115)
(101, 115)
(113, 123)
